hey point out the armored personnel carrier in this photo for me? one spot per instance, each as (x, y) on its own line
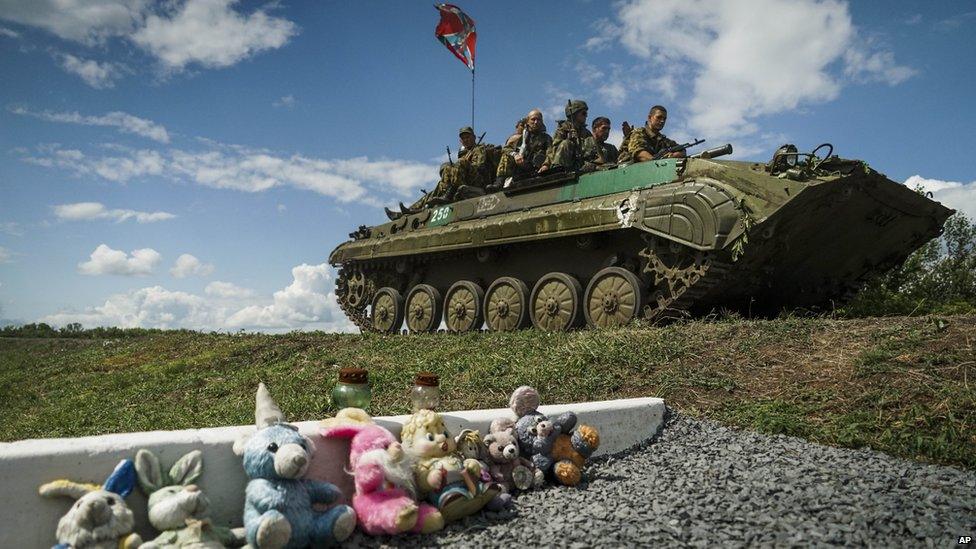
(657, 239)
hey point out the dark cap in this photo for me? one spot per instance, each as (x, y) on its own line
(466, 129)
(355, 376)
(575, 106)
(427, 379)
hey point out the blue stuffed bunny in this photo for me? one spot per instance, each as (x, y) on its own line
(278, 501)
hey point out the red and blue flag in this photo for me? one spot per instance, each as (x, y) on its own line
(456, 32)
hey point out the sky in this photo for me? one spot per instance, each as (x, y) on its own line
(191, 163)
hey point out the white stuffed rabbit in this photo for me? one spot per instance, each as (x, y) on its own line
(177, 507)
(99, 519)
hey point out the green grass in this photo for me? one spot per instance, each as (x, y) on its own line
(906, 386)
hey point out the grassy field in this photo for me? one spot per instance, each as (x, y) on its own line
(906, 386)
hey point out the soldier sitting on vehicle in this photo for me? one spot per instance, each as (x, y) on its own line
(566, 151)
(513, 139)
(473, 170)
(623, 157)
(596, 151)
(525, 155)
(647, 141)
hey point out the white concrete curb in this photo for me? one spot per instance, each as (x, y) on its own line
(28, 520)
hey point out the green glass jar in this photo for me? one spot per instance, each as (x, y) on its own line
(426, 392)
(352, 390)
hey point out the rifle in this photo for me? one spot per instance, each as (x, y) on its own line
(664, 152)
(524, 147)
(449, 159)
(480, 138)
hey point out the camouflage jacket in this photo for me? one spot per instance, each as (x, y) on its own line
(642, 139)
(567, 145)
(535, 150)
(598, 153)
(476, 166)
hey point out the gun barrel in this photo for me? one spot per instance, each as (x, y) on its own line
(716, 152)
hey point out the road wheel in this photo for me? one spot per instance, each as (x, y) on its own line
(387, 313)
(507, 305)
(423, 309)
(613, 297)
(555, 302)
(464, 307)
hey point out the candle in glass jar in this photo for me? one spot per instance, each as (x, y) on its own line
(352, 390)
(426, 392)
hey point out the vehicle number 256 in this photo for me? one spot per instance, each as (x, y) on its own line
(440, 215)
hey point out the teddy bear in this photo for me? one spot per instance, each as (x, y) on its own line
(278, 501)
(551, 443)
(386, 494)
(177, 507)
(505, 463)
(99, 519)
(444, 478)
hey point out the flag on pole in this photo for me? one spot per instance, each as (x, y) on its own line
(456, 32)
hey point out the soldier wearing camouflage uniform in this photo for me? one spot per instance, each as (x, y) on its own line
(566, 150)
(596, 151)
(516, 165)
(647, 141)
(475, 167)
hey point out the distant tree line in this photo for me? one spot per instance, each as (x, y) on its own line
(939, 278)
(73, 330)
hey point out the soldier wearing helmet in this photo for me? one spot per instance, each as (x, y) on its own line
(566, 150)
(474, 168)
(646, 141)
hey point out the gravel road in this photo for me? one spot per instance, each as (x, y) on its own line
(699, 483)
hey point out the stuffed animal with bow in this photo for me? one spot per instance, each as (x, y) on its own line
(178, 508)
(278, 503)
(99, 518)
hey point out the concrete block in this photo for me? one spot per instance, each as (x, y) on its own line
(30, 520)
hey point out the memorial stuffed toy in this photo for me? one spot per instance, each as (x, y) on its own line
(551, 443)
(99, 518)
(470, 446)
(507, 466)
(278, 502)
(177, 507)
(450, 483)
(386, 494)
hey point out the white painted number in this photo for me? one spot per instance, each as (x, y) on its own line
(440, 214)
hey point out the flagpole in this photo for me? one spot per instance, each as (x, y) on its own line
(472, 98)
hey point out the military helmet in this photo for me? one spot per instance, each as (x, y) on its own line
(464, 130)
(575, 106)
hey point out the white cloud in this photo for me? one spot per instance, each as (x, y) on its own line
(211, 33)
(879, 66)
(188, 265)
(227, 290)
(5, 255)
(310, 298)
(105, 260)
(282, 208)
(738, 66)
(152, 307)
(287, 102)
(308, 303)
(4, 31)
(86, 211)
(95, 74)
(86, 21)
(12, 228)
(953, 194)
(125, 122)
(249, 170)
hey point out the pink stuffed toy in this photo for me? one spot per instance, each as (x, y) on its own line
(385, 499)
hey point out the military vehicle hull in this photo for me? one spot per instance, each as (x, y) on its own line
(653, 240)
